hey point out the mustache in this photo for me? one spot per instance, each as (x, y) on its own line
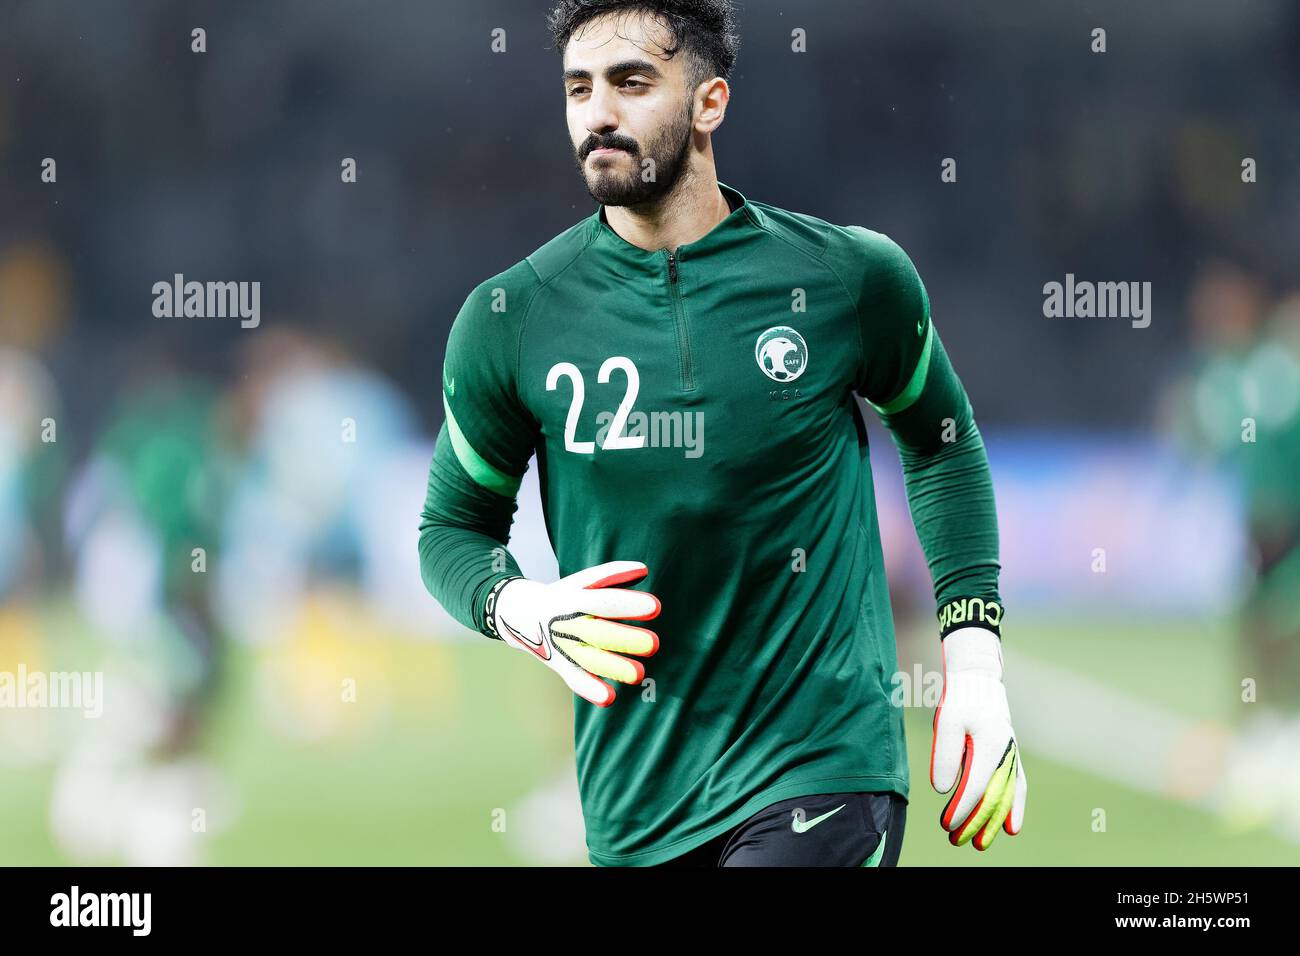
(608, 141)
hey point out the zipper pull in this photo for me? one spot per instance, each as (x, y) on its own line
(672, 267)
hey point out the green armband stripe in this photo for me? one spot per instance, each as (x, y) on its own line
(914, 387)
(473, 463)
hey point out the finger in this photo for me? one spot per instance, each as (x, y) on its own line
(584, 684)
(985, 754)
(988, 833)
(619, 603)
(596, 661)
(1016, 819)
(986, 798)
(598, 632)
(606, 575)
(947, 750)
(948, 815)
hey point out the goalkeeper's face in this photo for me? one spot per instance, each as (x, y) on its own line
(630, 109)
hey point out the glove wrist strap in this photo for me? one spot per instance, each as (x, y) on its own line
(970, 612)
(490, 606)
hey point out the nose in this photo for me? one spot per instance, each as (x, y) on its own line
(601, 116)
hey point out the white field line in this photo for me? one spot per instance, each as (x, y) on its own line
(1085, 724)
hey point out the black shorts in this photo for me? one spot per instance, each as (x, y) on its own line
(830, 829)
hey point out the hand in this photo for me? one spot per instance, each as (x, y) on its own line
(974, 743)
(566, 626)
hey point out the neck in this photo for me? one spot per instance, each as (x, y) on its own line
(688, 212)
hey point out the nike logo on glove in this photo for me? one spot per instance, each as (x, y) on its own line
(538, 647)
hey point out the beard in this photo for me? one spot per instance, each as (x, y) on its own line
(668, 149)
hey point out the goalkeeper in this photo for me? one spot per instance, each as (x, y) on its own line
(762, 731)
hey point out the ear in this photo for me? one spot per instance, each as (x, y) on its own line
(711, 98)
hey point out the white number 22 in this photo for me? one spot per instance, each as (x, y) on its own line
(615, 438)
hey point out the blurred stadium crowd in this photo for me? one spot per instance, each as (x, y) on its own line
(293, 455)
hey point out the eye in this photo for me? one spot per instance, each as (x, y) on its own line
(633, 83)
(576, 90)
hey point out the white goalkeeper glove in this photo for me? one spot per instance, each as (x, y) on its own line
(974, 745)
(567, 625)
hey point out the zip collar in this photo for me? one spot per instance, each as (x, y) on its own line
(743, 220)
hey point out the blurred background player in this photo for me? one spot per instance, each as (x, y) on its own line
(1239, 404)
(141, 522)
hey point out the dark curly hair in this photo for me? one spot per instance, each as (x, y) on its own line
(704, 29)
